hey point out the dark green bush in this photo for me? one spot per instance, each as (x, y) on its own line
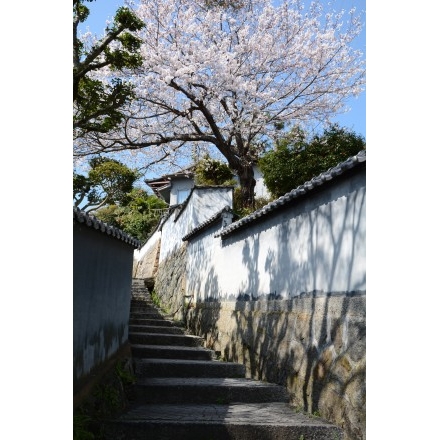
(294, 161)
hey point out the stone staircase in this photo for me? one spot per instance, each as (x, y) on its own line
(183, 392)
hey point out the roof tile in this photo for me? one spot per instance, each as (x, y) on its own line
(92, 222)
(301, 190)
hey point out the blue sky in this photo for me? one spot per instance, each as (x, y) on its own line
(355, 120)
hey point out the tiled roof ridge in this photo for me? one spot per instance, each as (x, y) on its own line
(93, 222)
(301, 190)
(188, 171)
(207, 222)
(213, 186)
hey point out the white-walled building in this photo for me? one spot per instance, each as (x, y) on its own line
(175, 188)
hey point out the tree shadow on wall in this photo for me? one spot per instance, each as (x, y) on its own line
(203, 319)
(313, 342)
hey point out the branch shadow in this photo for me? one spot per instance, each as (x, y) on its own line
(312, 341)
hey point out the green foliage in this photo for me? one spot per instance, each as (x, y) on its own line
(210, 171)
(96, 104)
(110, 400)
(108, 182)
(138, 199)
(108, 192)
(81, 184)
(115, 178)
(127, 378)
(108, 214)
(107, 399)
(294, 161)
(137, 215)
(81, 430)
(241, 209)
(155, 299)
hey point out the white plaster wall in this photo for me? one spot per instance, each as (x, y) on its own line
(202, 204)
(201, 271)
(179, 184)
(316, 245)
(138, 254)
(260, 187)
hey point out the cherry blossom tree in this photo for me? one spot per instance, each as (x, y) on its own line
(230, 74)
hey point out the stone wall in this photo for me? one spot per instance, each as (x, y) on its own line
(314, 345)
(147, 266)
(170, 283)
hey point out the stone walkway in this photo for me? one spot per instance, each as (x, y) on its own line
(182, 391)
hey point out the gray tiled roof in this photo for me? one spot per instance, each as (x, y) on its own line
(91, 221)
(206, 223)
(186, 172)
(300, 191)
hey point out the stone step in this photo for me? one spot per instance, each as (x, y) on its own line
(187, 368)
(141, 305)
(140, 300)
(183, 393)
(144, 302)
(139, 292)
(172, 330)
(251, 421)
(165, 339)
(145, 313)
(154, 322)
(150, 314)
(140, 296)
(138, 281)
(207, 390)
(171, 352)
(143, 308)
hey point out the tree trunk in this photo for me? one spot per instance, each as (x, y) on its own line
(247, 183)
(240, 160)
